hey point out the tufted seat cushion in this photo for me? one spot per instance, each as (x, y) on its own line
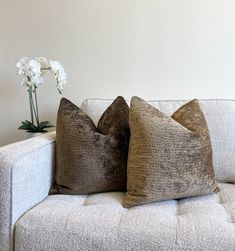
(99, 222)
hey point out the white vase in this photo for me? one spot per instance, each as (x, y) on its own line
(28, 135)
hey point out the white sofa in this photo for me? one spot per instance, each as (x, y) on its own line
(32, 220)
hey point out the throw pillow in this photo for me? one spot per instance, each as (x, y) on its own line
(169, 157)
(91, 159)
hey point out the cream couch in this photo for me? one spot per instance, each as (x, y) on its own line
(32, 220)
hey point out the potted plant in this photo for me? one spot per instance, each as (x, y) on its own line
(31, 72)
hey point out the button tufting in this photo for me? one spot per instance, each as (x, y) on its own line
(186, 224)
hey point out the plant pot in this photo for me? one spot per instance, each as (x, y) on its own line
(28, 135)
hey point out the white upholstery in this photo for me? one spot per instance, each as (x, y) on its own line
(220, 116)
(99, 222)
(26, 169)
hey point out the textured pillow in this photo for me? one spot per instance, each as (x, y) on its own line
(91, 159)
(169, 157)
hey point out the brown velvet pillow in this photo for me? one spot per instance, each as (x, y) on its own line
(91, 159)
(169, 157)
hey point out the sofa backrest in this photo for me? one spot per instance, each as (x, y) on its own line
(220, 116)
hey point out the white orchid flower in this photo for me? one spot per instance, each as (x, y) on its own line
(43, 62)
(31, 72)
(23, 63)
(55, 66)
(60, 86)
(21, 72)
(61, 75)
(35, 66)
(19, 65)
(44, 65)
(37, 79)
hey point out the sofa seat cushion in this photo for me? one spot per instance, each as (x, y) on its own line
(99, 222)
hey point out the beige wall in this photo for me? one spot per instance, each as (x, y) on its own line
(158, 49)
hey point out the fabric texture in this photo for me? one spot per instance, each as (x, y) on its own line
(99, 222)
(197, 223)
(91, 159)
(219, 114)
(169, 157)
(26, 170)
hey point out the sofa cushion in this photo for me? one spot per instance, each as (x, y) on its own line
(169, 157)
(99, 222)
(91, 159)
(220, 117)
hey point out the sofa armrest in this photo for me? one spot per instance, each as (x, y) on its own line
(26, 172)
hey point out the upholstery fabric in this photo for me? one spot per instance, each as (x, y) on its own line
(198, 223)
(169, 157)
(90, 159)
(219, 114)
(26, 170)
(99, 222)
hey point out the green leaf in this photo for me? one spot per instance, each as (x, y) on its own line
(23, 127)
(45, 124)
(28, 126)
(48, 126)
(28, 122)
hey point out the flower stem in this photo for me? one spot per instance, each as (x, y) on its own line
(46, 68)
(30, 104)
(36, 105)
(34, 112)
